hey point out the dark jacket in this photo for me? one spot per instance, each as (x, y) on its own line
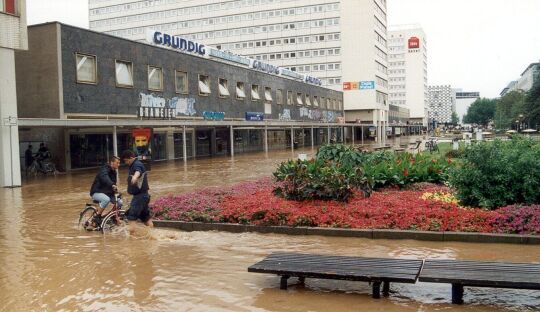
(142, 183)
(103, 182)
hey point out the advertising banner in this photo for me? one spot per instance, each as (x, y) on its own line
(142, 143)
(254, 116)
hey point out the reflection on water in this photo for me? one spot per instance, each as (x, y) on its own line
(48, 265)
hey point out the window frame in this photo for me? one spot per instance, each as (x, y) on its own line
(16, 11)
(77, 71)
(119, 85)
(243, 89)
(266, 100)
(258, 93)
(299, 99)
(208, 85)
(226, 87)
(176, 71)
(148, 78)
(291, 97)
(278, 92)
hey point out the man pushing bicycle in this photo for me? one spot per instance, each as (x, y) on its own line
(138, 187)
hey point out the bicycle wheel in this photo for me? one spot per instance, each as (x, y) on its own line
(85, 218)
(113, 220)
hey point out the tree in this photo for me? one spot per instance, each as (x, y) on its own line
(455, 118)
(508, 108)
(532, 103)
(481, 112)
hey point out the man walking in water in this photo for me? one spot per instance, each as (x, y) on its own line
(137, 185)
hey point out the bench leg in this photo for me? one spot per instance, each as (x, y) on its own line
(283, 283)
(376, 290)
(386, 288)
(457, 293)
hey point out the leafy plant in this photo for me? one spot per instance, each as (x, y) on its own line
(498, 173)
(319, 179)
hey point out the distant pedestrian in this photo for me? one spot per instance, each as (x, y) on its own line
(28, 157)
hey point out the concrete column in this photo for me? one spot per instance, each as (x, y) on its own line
(231, 137)
(194, 142)
(10, 164)
(362, 134)
(184, 146)
(67, 148)
(115, 150)
(292, 139)
(213, 143)
(312, 138)
(265, 138)
(169, 144)
(352, 134)
(329, 135)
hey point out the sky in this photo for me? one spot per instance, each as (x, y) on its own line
(476, 45)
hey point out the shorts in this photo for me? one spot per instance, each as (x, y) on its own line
(102, 198)
(138, 208)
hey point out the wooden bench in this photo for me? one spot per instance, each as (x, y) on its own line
(480, 274)
(373, 270)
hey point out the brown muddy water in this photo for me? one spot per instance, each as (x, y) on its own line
(46, 264)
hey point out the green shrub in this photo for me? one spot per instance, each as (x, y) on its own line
(454, 153)
(498, 173)
(319, 179)
(342, 154)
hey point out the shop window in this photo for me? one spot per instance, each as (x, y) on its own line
(155, 78)
(204, 85)
(223, 88)
(289, 98)
(299, 99)
(308, 100)
(8, 6)
(181, 82)
(279, 97)
(240, 91)
(255, 93)
(268, 94)
(86, 68)
(315, 101)
(124, 74)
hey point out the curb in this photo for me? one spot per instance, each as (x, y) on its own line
(361, 233)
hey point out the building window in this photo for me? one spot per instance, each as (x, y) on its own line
(8, 6)
(240, 91)
(268, 108)
(328, 103)
(255, 93)
(155, 78)
(279, 97)
(315, 101)
(204, 85)
(308, 100)
(268, 94)
(124, 74)
(86, 68)
(289, 98)
(323, 102)
(223, 88)
(181, 82)
(299, 99)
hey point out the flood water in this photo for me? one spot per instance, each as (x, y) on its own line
(46, 264)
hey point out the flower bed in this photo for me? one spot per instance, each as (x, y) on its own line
(422, 207)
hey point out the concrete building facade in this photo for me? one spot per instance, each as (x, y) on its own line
(13, 36)
(407, 70)
(525, 81)
(341, 42)
(90, 99)
(442, 102)
(464, 99)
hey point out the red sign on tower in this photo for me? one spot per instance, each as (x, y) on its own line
(414, 43)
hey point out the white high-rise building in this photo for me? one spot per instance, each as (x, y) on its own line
(13, 36)
(407, 70)
(342, 42)
(442, 102)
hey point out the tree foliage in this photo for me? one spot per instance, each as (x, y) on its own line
(455, 118)
(532, 104)
(481, 112)
(508, 108)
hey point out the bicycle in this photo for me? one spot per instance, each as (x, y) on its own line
(45, 168)
(431, 145)
(114, 218)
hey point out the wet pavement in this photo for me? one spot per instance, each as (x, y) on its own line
(46, 264)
